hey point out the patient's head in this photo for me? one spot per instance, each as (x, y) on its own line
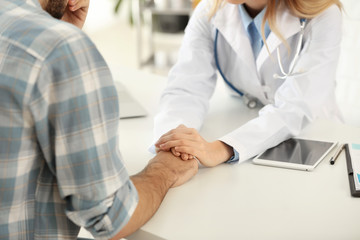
(55, 8)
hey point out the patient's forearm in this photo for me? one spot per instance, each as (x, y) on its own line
(152, 185)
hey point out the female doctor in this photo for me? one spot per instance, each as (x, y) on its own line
(292, 74)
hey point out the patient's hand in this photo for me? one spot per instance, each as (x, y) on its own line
(187, 142)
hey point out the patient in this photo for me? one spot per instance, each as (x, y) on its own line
(61, 168)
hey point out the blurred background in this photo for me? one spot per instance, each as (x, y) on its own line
(145, 35)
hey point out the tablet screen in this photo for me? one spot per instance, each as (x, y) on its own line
(298, 151)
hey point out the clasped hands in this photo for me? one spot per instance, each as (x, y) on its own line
(186, 143)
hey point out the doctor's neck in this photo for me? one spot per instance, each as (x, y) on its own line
(254, 7)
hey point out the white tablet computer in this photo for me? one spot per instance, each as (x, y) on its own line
(295, 153)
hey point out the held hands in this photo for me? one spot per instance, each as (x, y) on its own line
(176, 171)
(187, 142)
(76, 12)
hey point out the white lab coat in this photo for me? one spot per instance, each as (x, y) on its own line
(289, 105)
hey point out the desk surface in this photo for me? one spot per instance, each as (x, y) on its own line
(245, 201)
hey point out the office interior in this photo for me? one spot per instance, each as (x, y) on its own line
(118, 39)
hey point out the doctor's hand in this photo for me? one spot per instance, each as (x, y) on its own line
(183, 156)
(183, 140)
(76, 12)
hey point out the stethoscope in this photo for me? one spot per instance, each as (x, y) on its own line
(250, 101)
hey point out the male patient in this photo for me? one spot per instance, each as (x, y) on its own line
(60, 166)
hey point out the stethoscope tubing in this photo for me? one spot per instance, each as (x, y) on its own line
(249, 101)
(296, 56)
(252, 102)
(219, 68)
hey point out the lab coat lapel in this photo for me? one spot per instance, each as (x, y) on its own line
(227, 20)
(288, 25)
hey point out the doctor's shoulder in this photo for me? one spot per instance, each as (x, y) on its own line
(333, 14)
(327, 22)
(204, 8)
(201, 20)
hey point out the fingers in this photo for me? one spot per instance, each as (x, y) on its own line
(181, 136)
(175, 153)
(178, 134)
(75, 5)
(186, 156)
(185, 152)
(170, 144)
(190, 152)
(179, 129)
(183, 156)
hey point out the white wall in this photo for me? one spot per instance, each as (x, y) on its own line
(348, 76)
(101, 14)
(112, 33)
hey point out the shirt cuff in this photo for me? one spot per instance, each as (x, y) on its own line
(106, 218)
(152, 149)
(234, 158)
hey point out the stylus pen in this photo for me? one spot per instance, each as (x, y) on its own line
(338, 151)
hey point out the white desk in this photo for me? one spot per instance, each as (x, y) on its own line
(245, 201)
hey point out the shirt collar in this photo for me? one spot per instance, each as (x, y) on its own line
(246, 19)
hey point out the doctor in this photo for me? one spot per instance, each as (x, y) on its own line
(292, 74)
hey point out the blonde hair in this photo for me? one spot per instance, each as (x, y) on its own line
(300, 8)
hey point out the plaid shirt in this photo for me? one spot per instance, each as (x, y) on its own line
(60, 165)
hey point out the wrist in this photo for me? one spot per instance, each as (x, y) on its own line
(152, 184)
(224, 151)
(159, 169)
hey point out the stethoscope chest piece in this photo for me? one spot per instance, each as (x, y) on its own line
(250, 102)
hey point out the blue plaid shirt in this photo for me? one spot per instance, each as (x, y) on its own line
(60, 165)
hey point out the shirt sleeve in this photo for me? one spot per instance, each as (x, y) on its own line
(234, 158)
(76, 112)
(185, 100)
